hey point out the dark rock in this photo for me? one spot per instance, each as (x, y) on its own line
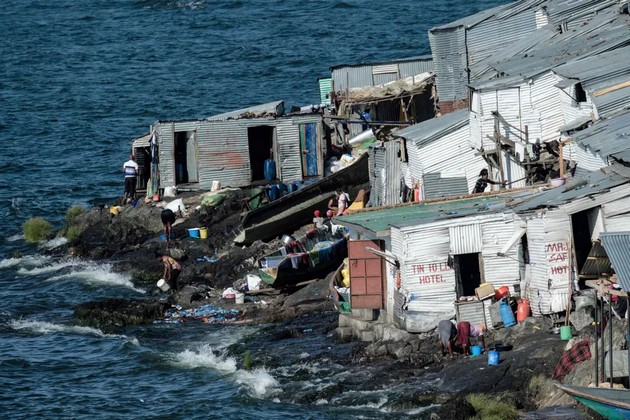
(455, 407)
(115, 313)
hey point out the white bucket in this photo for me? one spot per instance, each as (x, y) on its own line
(239, 298)
(170, 191)
(163, 285)
(216, 186)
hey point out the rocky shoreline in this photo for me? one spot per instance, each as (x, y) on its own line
(130, 239)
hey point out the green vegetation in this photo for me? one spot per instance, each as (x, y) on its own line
(73, 213)
(73, 232)
(490, 408)
(248, 360)
(36, 229)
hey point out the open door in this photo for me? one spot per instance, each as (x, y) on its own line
(467, 273)
(308, 149)
(186, 157)
(260, 143)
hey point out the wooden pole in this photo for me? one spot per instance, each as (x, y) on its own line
(570, 270)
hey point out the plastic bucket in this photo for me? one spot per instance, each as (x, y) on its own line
(193, 233)
(239, 298)
(566, 333)
(273, 192)
(203, 233)
(476, 351)
(493, 358)
(502, 292)
(163, 285)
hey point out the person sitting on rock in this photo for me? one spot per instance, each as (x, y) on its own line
(172, 269)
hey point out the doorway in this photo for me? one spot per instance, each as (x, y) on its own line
(308, 148)
(585, 227)
(260, 143)
(467, 273)
(185, 157)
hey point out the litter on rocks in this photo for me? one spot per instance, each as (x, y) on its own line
(209, 314)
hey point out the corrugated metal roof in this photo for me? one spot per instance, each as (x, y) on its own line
(617, 245)
(544, 50)
(379, 220)
(270, 109)
(595, 183)
(378, 63)
(609, 137)
(472, 20)
(430, 130)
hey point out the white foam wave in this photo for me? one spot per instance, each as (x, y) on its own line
(28, 261)
(42, 327)
(54, 243)
(39, 269)
(14, 238)
(9, 262)
(205, 357)
(259, 382)
(93, 273)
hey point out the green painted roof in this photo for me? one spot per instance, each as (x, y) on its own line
(382, 218)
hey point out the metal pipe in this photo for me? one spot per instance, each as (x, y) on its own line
(610, 344)
(597, 347)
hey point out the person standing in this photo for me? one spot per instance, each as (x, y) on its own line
(130, 168)
(172, 269)
(483, 181)
(367, 119)
(168, 218)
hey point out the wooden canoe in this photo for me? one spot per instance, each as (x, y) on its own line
(314, 255)
(294, 210)
(608, 402)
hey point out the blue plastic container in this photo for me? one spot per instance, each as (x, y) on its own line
(270, 169)
(282, 189)
(274, 193)
(291, 187)
(507, 316)
(475, 350)
(493, 358)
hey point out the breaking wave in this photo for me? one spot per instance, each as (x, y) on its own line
(29, 261)
(43, 327)
(205, 357)
(92, 273)
(54, 243)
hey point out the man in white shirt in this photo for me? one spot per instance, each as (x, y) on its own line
(130, 168)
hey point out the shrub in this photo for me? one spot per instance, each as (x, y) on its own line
(490, 409)
(248, 360)
(72, 214)
(36, 229)
(73, 232)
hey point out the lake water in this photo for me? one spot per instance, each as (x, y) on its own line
(78, 81)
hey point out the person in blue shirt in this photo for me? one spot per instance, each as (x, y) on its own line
(367, 118)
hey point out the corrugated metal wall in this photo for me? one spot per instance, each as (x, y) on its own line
(501, 270)
(386, 174)
(424, 255)
(325, 87)
(546, 104)
(459, 163)
(584, 158)
(572, 110)
(465, 239)
(448, 47)
(288, 135)
(374, 74)
(165, 139)
(548, 236)
(224, 153)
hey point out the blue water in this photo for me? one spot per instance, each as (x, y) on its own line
(78, 81)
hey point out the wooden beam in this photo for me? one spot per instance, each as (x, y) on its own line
(612, 88)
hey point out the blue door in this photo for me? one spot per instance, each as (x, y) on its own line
(308, 148)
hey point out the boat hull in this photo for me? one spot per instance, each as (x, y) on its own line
(610, 403)
(295, 210)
